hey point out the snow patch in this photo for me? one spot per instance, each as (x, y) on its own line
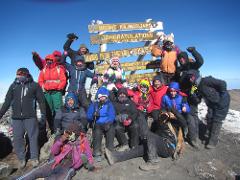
(230, 124)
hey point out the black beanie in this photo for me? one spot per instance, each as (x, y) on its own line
(158, 77)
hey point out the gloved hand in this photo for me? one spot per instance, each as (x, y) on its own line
(72, 36)
(191, 49)
(34, 53)
(127, 122)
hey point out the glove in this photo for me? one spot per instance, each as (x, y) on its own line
(34, 54)
(191, 49)
(127, 122)
(193, 89)
(72, 36)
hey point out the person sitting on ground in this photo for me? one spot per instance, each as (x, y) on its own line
(140, 96)
(70, 113)
(176, 102)
(161, 143)
(157, 91)
(126, 120)
(102, 116)
(70, 152)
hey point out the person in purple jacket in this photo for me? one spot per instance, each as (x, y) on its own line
(70, 152)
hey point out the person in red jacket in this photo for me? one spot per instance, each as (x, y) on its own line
(157, 91)
(52, 80)
(141, 96)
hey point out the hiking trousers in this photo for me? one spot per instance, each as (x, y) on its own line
(47, 172)
(20, 126)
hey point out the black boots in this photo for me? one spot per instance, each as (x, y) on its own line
(214, 134)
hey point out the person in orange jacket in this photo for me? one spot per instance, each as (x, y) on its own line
(52, 80)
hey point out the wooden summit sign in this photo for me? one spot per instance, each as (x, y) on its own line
(117, 38)
(138, 77)
(119, 53)
(131, 66)
(121, 27)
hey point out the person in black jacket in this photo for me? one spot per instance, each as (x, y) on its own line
(83, 50)
(126, 120)
(22, 96)
(70, 113)
(215, 94)
(194, 98)
(161, 143)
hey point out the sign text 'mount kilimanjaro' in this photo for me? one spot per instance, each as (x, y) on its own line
(117, 38)
(120, 27)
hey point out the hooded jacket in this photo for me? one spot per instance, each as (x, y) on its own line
(77, 76)
(81, 146)
(176, 102)
(22, 98)
(67, 115)
(106, 111)
(214, 91)
(52, 77)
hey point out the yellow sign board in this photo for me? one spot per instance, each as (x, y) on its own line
(117, 38)
(119, 53)
(137, 77)
(128, 66)
(120, 27)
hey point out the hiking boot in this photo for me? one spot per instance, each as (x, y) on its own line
(195, 144)
(122, 148)
(21, 164)
(34, 162)
(109, 156)
(149, 166)
(215, 132)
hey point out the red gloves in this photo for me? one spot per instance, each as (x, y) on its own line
(127, 122)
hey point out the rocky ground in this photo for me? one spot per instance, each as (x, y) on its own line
(220, 163)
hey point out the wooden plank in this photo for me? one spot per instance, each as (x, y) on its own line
(123, 27)
(119, 38)
(131, 66)
(135, 78)
(128, 66)
(119, 53)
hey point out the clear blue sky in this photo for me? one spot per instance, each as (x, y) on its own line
(213, 26)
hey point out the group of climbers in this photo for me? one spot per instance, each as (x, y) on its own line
(171, 98)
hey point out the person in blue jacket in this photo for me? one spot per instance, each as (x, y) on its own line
(102, 116)
(175, 102)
